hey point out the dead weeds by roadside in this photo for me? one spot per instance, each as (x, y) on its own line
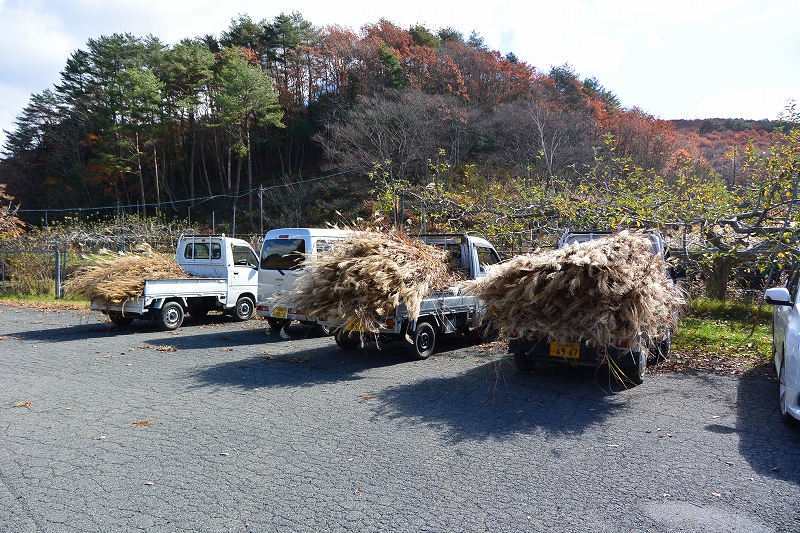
(54, 305)
(748, 364)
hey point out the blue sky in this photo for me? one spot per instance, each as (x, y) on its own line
(676, 59)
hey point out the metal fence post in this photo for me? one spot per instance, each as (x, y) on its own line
(58, 270)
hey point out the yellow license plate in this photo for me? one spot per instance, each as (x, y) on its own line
(571, 350)
(279, 312)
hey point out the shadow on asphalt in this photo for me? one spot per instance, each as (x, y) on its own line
(494, 400)
(302, 368)
(210, 326)
(768, 445)
(490, 400)
(85, 331)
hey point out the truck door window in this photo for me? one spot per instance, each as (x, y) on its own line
(487, 256)
(283, 254)
(242, 255)
(325, 245)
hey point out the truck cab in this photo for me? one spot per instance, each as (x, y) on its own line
(284, 256)
(471, 255)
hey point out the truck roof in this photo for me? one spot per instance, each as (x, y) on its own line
(289, 233)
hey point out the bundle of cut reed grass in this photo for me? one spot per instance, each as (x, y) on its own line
(596, 292)
(121, 279)
(366, 276)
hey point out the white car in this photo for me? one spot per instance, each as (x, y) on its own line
(786, 346)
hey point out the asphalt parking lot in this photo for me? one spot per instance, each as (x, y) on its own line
(222, 426)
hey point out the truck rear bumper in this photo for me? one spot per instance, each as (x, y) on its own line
(541, 350)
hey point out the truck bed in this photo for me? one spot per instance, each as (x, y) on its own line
(155, 289)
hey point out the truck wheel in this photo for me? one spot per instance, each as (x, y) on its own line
(325, 330)
(170, 317)
(660, 351)
(277, 324)
(522, 362)
(347, 340)
(423, 341)
(635, 373)
(244, 309)
(199, 312)
(119, 319)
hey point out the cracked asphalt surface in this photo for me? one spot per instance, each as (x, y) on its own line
(222, 426)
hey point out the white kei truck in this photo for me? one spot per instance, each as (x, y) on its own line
(228, 281)
(283, 260)
(444, 312)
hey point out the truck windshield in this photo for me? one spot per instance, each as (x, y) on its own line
(282, 254)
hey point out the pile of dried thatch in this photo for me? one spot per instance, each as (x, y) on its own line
(121, 279)
(597, 291)
(366, 276)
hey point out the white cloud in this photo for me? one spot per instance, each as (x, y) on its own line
(754, 103)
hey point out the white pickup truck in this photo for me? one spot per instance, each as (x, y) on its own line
(228, 282)
(631, 357)
(447, 311)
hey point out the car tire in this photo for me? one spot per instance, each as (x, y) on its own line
(347, 340)
(120, 320)
(244, 309)
(635, 373)
(423, 341)
(170, 317)
(277, 324)
(786, 418)
(522, 362)
(199, 312)
(325, 330)
(660, 351)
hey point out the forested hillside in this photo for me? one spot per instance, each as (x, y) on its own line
(281, 122)
(141, 123)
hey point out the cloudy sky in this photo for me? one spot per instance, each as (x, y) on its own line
(673, 59)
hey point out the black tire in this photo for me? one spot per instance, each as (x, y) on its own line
(199, 312)
(635, 373)
(244, 309)
(347, 340)
(522, 362)
(170, 317)
(423, 341)
(277, 324)
(786, 418)
(660, 351)
(119, 319)
(325, 330)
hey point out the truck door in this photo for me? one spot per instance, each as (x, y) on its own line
(244, 270)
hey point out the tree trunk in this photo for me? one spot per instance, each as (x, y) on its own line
(141, 176)
(158, 188)
(249, 179)
(718, 276)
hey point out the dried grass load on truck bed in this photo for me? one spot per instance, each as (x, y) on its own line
(363, 278)
(118, 280)
(597, 291)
